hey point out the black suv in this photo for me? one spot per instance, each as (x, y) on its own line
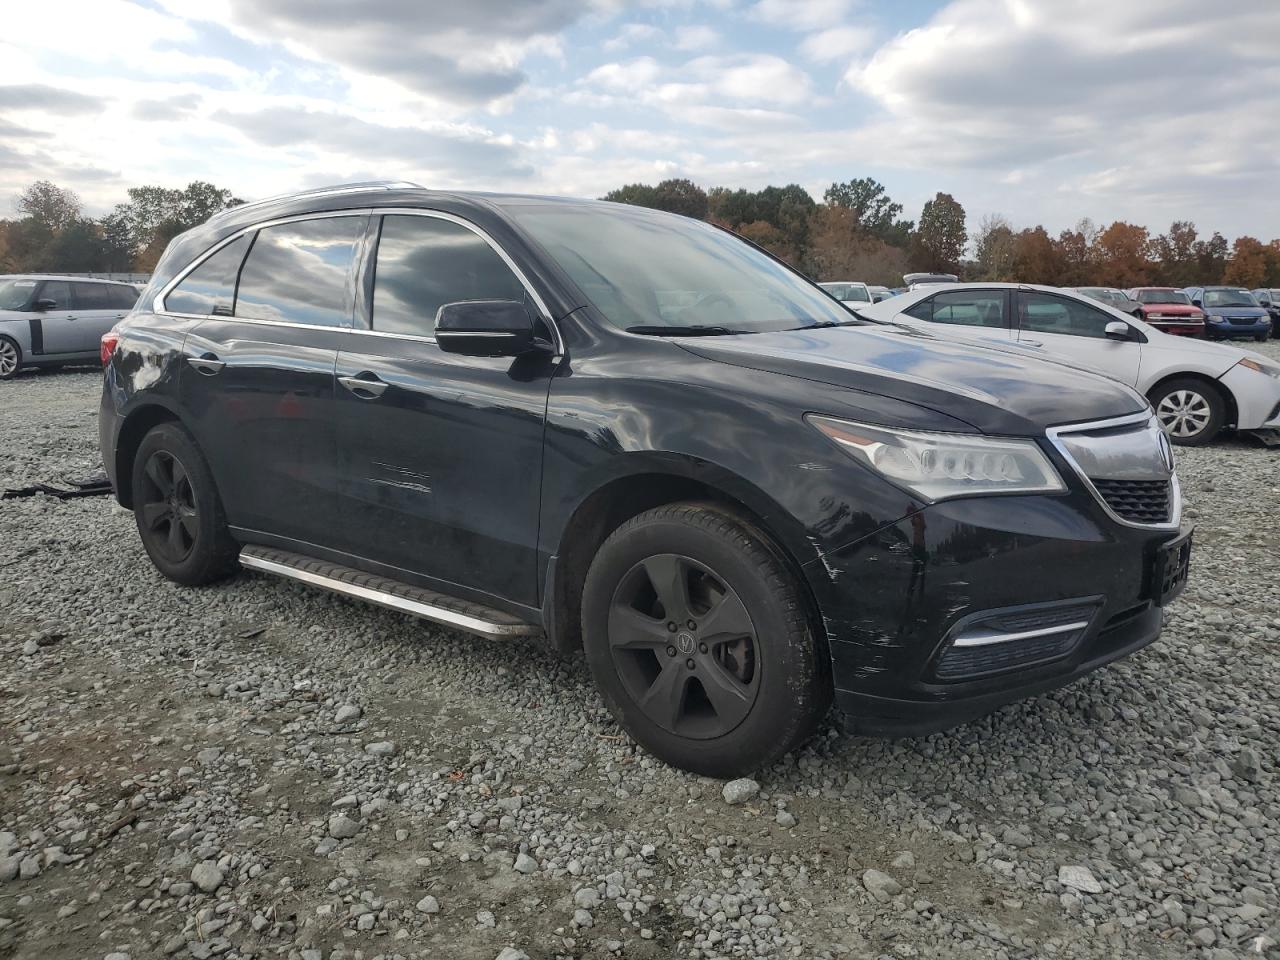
(651, 442)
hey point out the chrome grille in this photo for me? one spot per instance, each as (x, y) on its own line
(1139, 501)
(1127, 464)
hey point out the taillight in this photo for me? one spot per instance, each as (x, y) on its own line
(108, 346)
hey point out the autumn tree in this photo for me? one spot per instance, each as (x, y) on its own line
(771, 238)
(1076, 256)
(1124, 256)
(939, 240)
(1036, 258)
(1248, 264)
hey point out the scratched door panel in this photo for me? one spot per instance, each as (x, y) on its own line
(440, 470)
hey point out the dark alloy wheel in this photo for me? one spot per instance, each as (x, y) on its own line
(700, 637)
(684, 647)
(177, 509)
(167, 507)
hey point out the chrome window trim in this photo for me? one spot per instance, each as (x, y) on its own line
(160, 306)
(1175, 493)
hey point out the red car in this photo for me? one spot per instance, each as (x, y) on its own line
(1169, 310)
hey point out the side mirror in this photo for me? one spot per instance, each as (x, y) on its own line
(1197, 303)
(486, 328)
(43, 304)
(1118, 330)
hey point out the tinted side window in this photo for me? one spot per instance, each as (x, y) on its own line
(59, 291)
(122, 297)
(423, 263)
(91, 296)
(301, 272)
(211, 287)
(971, 308)
(1044, 313)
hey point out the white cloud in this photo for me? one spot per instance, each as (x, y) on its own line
(802, 14)
(630, 34)
(696, 37)
(838, 43)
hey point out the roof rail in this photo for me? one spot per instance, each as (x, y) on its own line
(331, 190)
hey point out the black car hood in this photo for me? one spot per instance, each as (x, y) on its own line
(993, 390)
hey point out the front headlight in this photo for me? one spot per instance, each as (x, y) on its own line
(936, 466)
(1261, 366)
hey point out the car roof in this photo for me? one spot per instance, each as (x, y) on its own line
(56, 276)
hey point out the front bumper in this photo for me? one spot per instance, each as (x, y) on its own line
(1221, 327)
(893, 603)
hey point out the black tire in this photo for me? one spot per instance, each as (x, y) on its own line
(178, 511)
(1189, 404)
(774, 679)
(1261, 337)
(10, 358)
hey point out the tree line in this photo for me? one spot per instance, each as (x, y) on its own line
(857, 232)
(51, 234)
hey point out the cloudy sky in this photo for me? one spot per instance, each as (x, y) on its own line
(1044, 110)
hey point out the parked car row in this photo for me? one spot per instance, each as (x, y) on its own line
(49, 321)
(1196, 388)
(660, 448)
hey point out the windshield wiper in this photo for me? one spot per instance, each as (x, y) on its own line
(824, 324)
(692, 330)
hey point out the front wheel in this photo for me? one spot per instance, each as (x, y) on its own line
(10, 359)
(699, 639)
(1190, 411)
(178, 511)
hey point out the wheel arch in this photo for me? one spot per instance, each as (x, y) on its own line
(1232, 414)
(649, 482)
(136, 425)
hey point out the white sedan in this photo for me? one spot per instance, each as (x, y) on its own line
(1196, 387)
(852, 292)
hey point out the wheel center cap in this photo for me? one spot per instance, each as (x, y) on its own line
(686, 643)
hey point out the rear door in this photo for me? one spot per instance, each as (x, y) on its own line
(258, 380)
(972, 314)
(1073, 332)
(440, 454)
(96, 310)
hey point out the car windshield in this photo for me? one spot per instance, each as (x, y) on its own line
(846, 291)
(1163, 296)
(14, 294)
(642, 268)
(1229, 298)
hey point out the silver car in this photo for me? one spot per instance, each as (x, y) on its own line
(48, 321)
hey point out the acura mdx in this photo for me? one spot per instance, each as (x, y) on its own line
(648, 441)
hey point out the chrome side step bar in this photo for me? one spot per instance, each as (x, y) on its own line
(385, 592)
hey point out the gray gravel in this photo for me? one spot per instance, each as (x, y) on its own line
(262, 770)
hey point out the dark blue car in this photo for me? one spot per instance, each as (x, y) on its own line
(1230, 312)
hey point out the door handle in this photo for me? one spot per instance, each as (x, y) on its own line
(209, 365)
(1032, 343)
(69, 317)
(366, 387)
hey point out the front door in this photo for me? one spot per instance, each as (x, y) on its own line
(54, 331)
(440, 454)
(258, 379)
(1073, 332)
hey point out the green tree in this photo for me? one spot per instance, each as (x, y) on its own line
(1211, 258)
(155, 215)
(1175, 254)
(875, 212)
(49, 205)
(76, 248)
(939, 240)
(994, 248)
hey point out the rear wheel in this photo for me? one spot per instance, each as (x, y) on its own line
(177, 509)
(1190, 410)
(10, 359)
(698, 638)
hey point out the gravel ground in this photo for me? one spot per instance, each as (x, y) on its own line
(261, 770)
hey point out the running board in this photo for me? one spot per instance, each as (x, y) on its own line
(385, 592)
